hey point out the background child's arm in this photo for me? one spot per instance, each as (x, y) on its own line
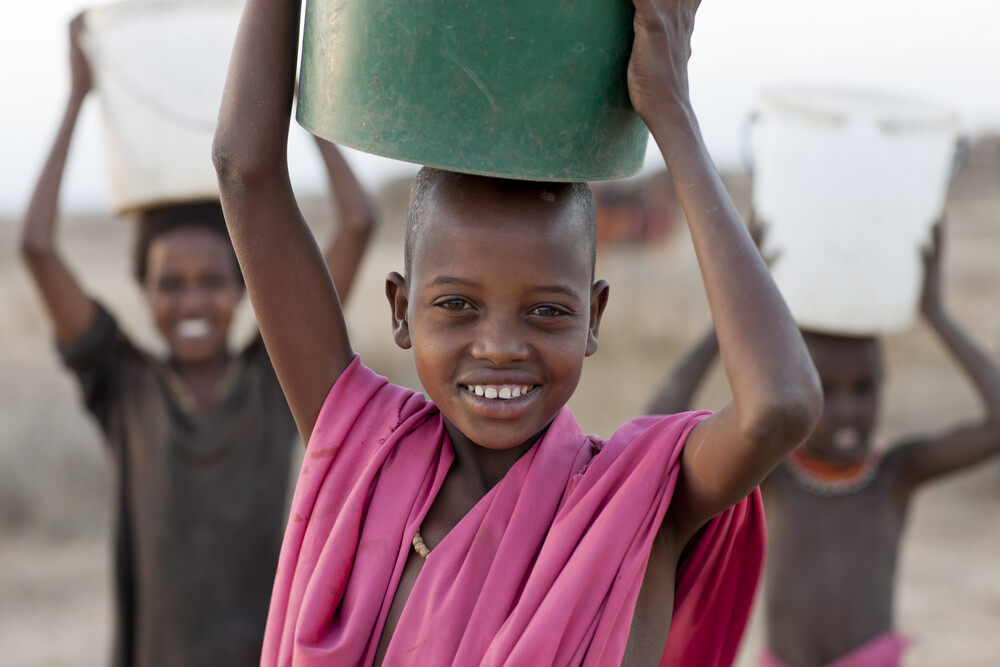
(677, 389)
(969, 444)
(357, 220)
(71, 310)
(776, 394)
(291, 290)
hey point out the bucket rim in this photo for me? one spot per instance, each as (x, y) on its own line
(123, 11)
(837, 105)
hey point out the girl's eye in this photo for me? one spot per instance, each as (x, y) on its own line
(548, 311)
(454, 304)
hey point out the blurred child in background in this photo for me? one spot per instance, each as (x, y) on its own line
(836, 509)
(201, 440)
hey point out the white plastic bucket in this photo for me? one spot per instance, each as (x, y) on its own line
(848, 185)
(159, 70)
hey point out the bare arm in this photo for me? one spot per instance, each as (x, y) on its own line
(967, 444)
(70, 309)
(357, 220)
(776, 394)
(291, 290)
(675, 393)
(678, 388)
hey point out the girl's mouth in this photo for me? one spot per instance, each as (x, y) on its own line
(193, 328)
(501, 391)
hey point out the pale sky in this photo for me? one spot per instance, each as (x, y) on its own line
(946, 51)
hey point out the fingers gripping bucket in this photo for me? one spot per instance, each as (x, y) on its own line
(530, 90)
(848, 185)
(159, 69)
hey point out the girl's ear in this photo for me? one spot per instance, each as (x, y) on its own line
(598, 302)
(395, 291)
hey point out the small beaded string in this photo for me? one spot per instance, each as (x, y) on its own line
(419, 546)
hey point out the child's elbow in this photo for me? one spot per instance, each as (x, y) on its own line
(235, 166)
(789, 417)
(225, 161)
(35, 250)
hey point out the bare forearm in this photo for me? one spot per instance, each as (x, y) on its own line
(70, 309)
(252, 135)
(774, 385)
(293, 296)
(356, 217)
(981, 369)
(354, 206)
(38, 230)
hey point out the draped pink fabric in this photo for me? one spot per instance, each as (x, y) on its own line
(545, 569)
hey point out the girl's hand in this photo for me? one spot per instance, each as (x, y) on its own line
(79, 65)
(658, 68)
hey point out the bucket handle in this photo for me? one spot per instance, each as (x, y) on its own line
(99, 61)
(746, 152)
(962, 148)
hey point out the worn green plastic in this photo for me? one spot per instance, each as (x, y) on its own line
(527, 89)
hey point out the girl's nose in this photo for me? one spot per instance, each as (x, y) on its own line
(500, 341)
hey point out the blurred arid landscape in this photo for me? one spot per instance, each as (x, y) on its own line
(54, 479)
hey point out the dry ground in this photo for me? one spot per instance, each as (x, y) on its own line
(54, 559)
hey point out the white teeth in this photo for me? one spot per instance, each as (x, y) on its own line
(193, 328)
(502, 392)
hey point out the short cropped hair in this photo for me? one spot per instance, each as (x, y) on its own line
(156, 222)
(580, 194)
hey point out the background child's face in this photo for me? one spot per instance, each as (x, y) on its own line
(851, 372)
(193, 288)
(499, 310)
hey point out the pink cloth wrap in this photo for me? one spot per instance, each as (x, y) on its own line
(544, 570)
(886, 650)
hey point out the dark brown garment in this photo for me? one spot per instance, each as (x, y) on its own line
(199, 503)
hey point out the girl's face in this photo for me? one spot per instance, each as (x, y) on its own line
(193, 288)
(500, 312)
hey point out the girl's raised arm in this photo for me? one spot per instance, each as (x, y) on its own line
(776, 393)
(293, 296)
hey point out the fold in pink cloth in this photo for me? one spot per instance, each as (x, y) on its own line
(886, 650)
(544, 570)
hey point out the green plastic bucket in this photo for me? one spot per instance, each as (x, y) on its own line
(527, 89)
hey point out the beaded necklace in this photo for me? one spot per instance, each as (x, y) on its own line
(824, 479)
(419, 546)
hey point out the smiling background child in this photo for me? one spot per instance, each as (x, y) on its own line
(836, 507)
(202, 440)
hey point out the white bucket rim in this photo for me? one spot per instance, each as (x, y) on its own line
(107, 16)
(838, 105)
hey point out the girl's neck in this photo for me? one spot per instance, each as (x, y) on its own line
(488, 466)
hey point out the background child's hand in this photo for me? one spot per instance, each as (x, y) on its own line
(657, 70)
(79, 65)
(930, 298)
